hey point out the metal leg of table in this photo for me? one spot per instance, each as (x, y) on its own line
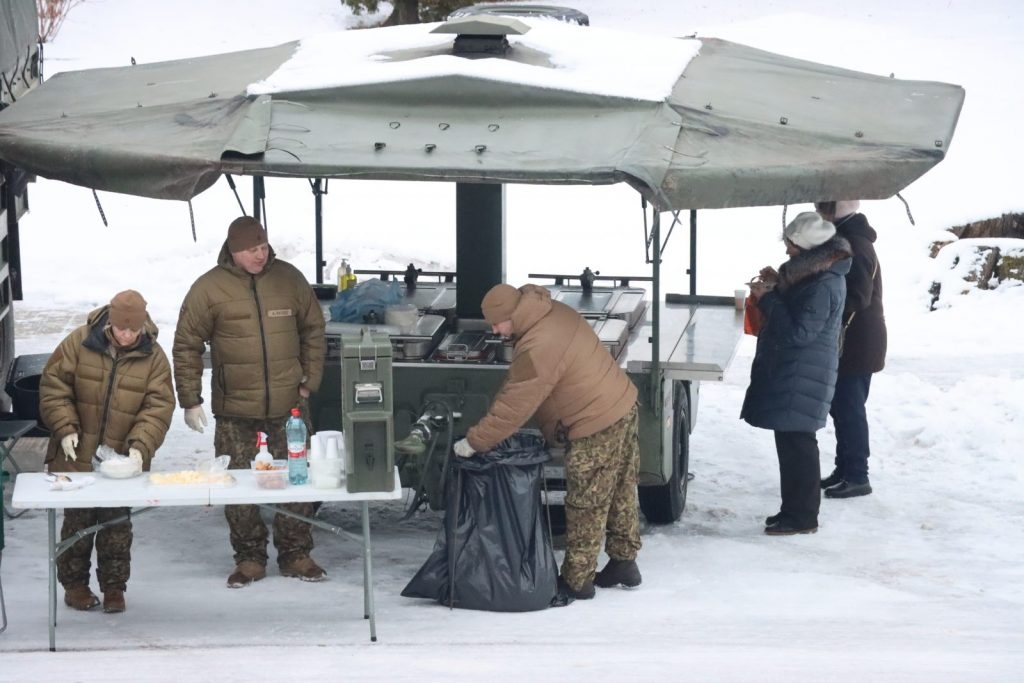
(51, 519)
(368, 606)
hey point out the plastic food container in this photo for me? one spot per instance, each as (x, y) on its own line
(274, 478)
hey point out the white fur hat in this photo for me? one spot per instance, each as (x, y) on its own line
(809, 230)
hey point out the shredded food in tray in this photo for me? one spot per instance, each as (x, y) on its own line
(190, 477)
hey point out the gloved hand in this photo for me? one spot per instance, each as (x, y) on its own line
(69, 443)
(463, 449)
(195, 418)
(135, 456)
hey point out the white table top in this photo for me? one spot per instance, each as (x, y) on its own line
(32, 490)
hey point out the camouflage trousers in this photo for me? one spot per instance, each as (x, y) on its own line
(113, 548)
(236, 437)
(601, 501)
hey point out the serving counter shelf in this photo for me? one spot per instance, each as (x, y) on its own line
(33, 490)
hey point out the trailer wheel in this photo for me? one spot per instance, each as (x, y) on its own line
(664, 504)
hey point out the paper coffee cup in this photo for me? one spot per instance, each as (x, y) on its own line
(739, 298)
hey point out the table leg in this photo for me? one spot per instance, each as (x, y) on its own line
(51, 519)
(368, 574)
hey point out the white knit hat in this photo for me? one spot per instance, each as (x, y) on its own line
(809, 230)
(844, 207)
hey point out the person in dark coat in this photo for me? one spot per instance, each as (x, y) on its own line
(863, 351)
(793, 374)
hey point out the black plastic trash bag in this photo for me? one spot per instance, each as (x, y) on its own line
(494, 552)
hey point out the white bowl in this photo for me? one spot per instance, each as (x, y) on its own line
(119, 468)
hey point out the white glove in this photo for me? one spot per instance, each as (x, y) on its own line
(463, 449)
(135, 456)
(195, 418)
(69, 443)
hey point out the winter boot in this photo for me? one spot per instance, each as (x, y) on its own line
(773, 519)
(80, 597)
(245, 573)
(847, 490)
(786, 527)
(566, 594)
(832, 479)
(618, 572)
(113, 601)
(303, 567)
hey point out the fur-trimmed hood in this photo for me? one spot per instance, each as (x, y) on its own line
(813, 261)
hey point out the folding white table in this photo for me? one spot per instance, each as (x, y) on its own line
(32, 491)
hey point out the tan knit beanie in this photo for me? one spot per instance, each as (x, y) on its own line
(127, 310)
(244, 233)
(499, 303)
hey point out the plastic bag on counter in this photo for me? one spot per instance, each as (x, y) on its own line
(366, 302)
(494, 551)
(112, 464)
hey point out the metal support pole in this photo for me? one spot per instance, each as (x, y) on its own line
(656, 313)
(693, 252)
(318, 220)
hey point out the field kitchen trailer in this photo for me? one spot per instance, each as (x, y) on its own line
(485, 101)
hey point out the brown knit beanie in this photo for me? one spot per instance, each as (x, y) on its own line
(245, 233)
(499, 303)
(127, 310)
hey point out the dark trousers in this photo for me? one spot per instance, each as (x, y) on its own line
(799, 476)
(851, 422)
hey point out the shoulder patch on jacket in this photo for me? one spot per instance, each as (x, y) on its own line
(522, 369)
(280, 313)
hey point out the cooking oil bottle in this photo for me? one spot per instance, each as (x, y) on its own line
(346, 278)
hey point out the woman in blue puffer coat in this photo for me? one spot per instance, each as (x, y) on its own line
(793, 375)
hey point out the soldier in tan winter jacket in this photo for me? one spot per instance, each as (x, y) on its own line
(265, 330)
(564, 377)
(108, 383)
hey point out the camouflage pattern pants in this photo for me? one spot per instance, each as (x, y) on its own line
(601, 500)
(113, 548)
(236, 437)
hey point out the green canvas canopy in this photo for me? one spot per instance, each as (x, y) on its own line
(739, 127)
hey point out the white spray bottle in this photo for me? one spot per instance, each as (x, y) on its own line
(261, 443)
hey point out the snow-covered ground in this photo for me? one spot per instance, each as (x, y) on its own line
(922, 581)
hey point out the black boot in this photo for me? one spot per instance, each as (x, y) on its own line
(832, 480)
(847, 490)
(565, 595)
(773, 519)
(616, 572)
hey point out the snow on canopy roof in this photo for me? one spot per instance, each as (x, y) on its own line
(552, 54)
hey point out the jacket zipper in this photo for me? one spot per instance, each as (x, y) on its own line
(106, 401)
(263, 346)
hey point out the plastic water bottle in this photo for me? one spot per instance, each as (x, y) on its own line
(295, 433)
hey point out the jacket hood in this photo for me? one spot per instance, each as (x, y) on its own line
(534, 304)
(828, 256)
(856, 225)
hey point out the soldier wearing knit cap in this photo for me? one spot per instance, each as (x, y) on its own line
(264, 328)
(567, 381)
(108, 383)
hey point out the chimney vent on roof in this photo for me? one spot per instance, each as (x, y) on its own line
(482, 36)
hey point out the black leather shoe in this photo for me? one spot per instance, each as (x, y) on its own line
(847, 490)
(773, 519)
(831, 480)
(784, 527)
